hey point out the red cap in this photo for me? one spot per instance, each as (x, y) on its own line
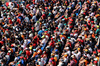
(92, 21)
(1, 42)
(25, 58)
(76, 31)
(21, 57)
(82, 41)
(99, 50)
(79, 40)
(46, 8)
(56, 27)
(95, 62)
(93, 26)
(51, 38)
(12, 45)
(8, 18)
(94, 52)
(85, 25)
(89, 24)
(69, 18)
(52, 58)
(8, 53)
(70, 22)
(46, 31)
(84, 13)
(89, 21)
(32, 28)
(63, 16)
(66, 2)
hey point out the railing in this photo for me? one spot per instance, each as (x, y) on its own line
(8, 0)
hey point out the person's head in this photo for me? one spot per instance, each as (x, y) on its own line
(95, 62)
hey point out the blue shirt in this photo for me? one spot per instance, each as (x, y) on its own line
(40, 33)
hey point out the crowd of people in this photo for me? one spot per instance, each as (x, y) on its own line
(50, 33)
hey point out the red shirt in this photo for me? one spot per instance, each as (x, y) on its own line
(44, 16)
(27, 53)
(75, 61)
(69, 44)
(48, 35)
(71, 27)
(54, 63)
(34, 44)
(19, 21)
(52, 43)
(10, 21)
(37, 39)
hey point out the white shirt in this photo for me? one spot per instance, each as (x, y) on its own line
(43, 60)
(78, 55)
(68, 52)
(57, 56)
(37, 26)
(34, 10)
(44, 41)
(40, 63)
(66, 59)
(90, 49)
(34, 18)
(88, 56)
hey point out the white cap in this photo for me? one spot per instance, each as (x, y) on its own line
(69, 7)
(73, 3)
(67, 47)
(31, 35)
(91, 32)
(9, 51)
(53, 37)
(21, 33)
(75, 34)
(86, 16)
(16, 36)
(95, 59)
(59, 6)
(35, 5)
(93, 4)
(2, 46)
(71, 34)
(72, 56)
(54, 7)
(13, 20)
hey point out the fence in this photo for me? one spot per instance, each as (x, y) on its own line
(8, 0)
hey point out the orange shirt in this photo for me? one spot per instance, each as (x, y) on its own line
(35, 53)
(86, 62)
(93, 35)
